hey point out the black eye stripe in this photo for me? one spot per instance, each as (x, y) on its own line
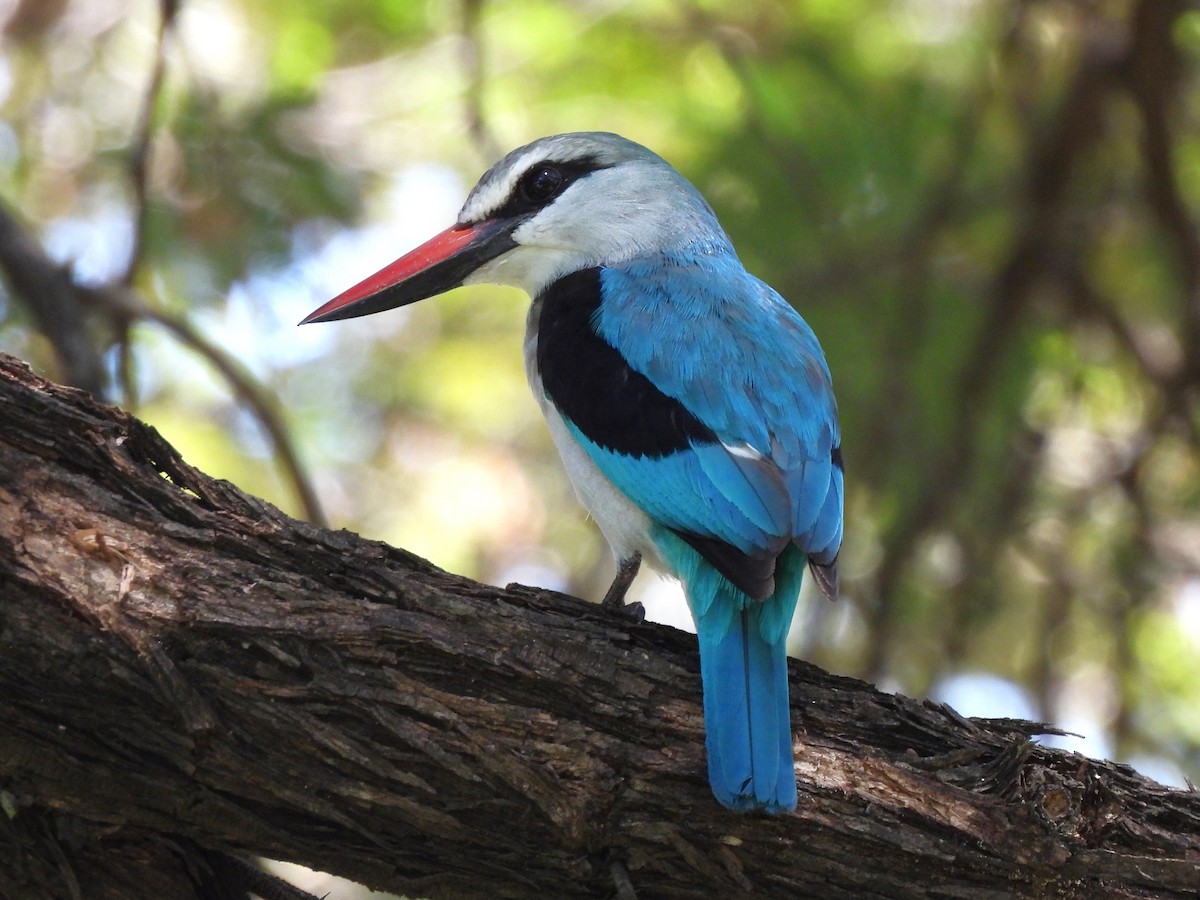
(544, 182)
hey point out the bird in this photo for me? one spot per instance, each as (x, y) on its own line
(692, 407)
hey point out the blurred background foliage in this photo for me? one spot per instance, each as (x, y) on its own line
(985, 208)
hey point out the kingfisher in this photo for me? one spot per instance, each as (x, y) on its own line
(692, 407)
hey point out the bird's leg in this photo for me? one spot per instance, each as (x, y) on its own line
(614, 599)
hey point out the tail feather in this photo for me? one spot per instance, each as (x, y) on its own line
(746, 716)
(743, 666)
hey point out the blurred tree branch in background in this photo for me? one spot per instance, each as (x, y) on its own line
(53, 303)
(985, 208)
(39, 278)
(1142, 61)
(63, 308)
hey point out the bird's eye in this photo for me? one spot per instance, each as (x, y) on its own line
(540, 184)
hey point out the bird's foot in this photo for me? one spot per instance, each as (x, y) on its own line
(614, 599)
(635, 611)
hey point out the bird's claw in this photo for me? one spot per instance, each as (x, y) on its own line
(635, 610)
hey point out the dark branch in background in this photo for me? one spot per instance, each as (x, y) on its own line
(1151, 72)
(1056, 598)
(894, 411)
(143, 140)
(51, 299)
(23, 258)
(1174, 389)
(1036, 251)
(1135, 580)
(139, 174)
(1138, 576)
(975, 595)
(797, 171)
(61, 307)
(473, 65)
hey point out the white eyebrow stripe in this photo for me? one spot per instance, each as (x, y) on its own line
(492, 193)
(496, 187)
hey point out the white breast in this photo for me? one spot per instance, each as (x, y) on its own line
(624, 525)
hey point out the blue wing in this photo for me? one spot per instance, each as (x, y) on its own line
(738, 358)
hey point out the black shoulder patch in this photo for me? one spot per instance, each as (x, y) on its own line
(836, 458)
(591, 384)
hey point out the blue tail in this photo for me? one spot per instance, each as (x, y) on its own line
(746, 717)
(743, 666)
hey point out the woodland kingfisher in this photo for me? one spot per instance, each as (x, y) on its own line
(691, 404)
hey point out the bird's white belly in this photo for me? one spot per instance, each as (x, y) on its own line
(624, 525)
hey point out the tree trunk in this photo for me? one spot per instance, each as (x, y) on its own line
(188, 672)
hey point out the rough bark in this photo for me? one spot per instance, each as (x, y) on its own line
(186, 671)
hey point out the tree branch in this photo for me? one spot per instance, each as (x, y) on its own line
(1053, 159)
(52, 302)
(37, 276)
(142, 140)
(185, 667)
(1152, 73)
(472, 57)
(126, 304)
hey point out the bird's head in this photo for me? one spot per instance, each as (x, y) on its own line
(552, 207)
